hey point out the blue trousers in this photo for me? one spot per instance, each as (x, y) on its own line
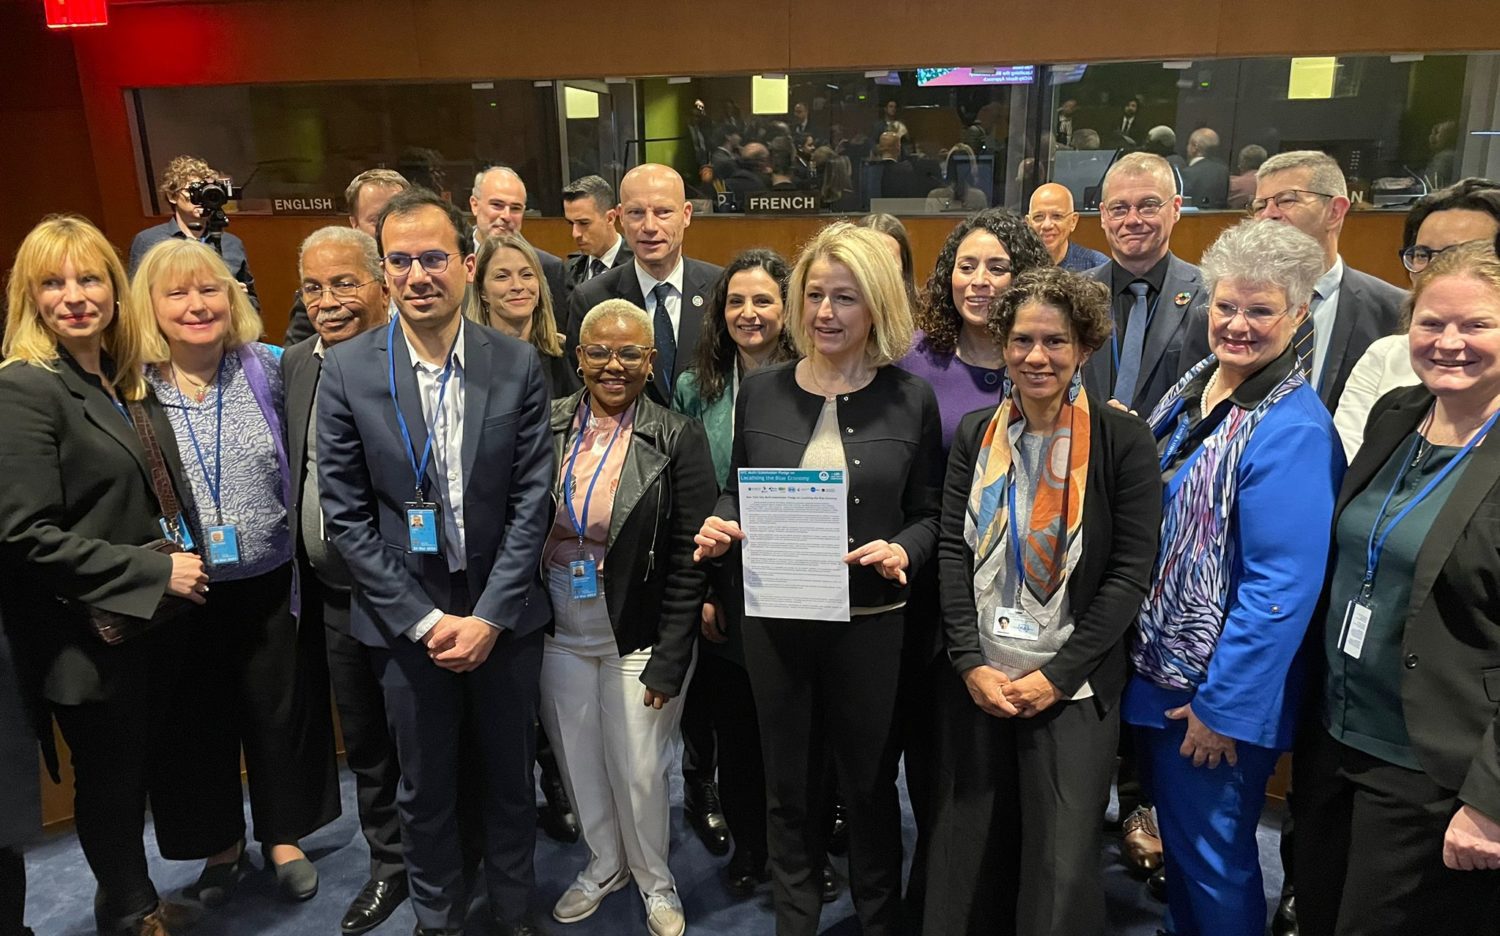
(1207, 820)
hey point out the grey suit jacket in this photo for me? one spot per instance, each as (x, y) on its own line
(698, 279)
(1177, 339)
(1369, 308)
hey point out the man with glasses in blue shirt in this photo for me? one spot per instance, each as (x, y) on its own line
(187, 221)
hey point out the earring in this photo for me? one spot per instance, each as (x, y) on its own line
(1075, 386)
(579, 371)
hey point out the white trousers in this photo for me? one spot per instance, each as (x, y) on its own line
(615, 753)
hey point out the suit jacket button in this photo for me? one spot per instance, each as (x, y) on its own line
(856, 500)
(849, 429)
(1411, 661)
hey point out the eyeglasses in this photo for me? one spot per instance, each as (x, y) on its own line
(1119, 211)
(311, 294)
(1284, 201)
(1416, 257)
(433, 261)
(1056, 217)
(630, 356)
(1255, 315)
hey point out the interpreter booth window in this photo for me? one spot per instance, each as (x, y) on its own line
(292, 149)
(1399, 125)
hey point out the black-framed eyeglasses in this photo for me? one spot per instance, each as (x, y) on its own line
(1255, 315)
(433, 261)
(1416, 258)
(630, 356)
(311, 294)
(1285, 200)
(1119, 211)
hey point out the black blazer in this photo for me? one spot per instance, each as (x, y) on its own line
(652, 587)
(698, 279)
(1121, 527)
(20, 792)
(76, 504)
(1450, 686)
(300, 370)
(893, 447)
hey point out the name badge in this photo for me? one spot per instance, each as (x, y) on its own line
(1356, 628)
(583, 579)
(422, 527)
(1016, 624)
(183, 538)
(223, 544)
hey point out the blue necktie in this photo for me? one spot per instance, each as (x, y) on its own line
(1129, 373)
(666, 341)
(1305, 341)
(596, 266)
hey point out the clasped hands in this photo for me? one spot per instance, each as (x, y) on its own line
(460, 644)
(890, 559)
(1003, 697)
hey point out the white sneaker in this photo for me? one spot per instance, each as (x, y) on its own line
(664, 915)
(580, 900)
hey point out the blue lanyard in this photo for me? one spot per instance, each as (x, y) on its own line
(1179, 435)
(214, 484)
(1376, 543)
(1015, 538)
(419, 469)
(568, 486)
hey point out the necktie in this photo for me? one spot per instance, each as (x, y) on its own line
(596, 266)
(666, 341)
(1305, 341)
(1129, 372)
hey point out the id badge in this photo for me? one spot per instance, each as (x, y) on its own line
(223, 544)
(583, 579)
(1356, 628)
(184, 538)
(1016, 624)
(422, 527)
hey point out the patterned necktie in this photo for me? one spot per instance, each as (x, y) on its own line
(596, 266)
(1129, 372)
(1305, 341)
(666, 341)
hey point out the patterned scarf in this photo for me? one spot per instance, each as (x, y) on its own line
(1056, 510)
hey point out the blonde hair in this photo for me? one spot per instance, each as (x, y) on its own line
(869, 261)
(543, 323)
(59, 239)
(621, 309)
(181, 172)
(174, 261)
(1475, 259)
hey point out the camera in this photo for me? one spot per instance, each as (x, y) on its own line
(212, 194)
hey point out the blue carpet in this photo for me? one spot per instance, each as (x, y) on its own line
(60, 897)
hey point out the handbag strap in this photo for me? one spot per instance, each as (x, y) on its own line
(161, 479)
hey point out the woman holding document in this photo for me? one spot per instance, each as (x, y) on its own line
(1050, 522)
(826, 689)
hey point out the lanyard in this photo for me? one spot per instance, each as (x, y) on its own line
(419, 469)
(1378, 535)
(1179, 435)
(216, 483)
(1015, 538)
(588, 495)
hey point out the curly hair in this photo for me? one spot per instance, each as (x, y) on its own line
(937, 315)
(1082, 301)
(716, 348)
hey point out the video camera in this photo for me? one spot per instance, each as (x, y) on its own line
(211, 195)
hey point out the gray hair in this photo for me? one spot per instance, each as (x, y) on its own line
(1163, 135)
(591, 187)
(1265, 253)
(341, 235)
(1143, 164)
(479, 178)
(618, 309)
(385, 178)
(1324, 173)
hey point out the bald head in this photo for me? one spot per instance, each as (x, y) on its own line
(498, 201)
(654, 214)
(1202, 142)
(1052, 217)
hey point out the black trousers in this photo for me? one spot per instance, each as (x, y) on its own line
(1369, 849)
(923, 666)
(111, 742)
(700, 747)
(368, 748)
(12, 892)
(720, 693)
(426, 708)
(826, 695)
(249, 678)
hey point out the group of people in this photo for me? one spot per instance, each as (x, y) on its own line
(491, 493)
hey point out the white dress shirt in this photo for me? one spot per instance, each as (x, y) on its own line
(674, 301)
(447, 456)
(1324, 312)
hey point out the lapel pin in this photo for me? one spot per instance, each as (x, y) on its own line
(1183, 298)
(697, 302)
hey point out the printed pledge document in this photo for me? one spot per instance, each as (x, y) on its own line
(796, 535)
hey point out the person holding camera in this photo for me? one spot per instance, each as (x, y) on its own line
(189, 186)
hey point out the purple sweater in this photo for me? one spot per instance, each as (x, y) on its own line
(961, 388)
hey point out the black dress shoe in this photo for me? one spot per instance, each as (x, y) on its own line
(437, 931)
(296, 880)
(374, 903)
(216, 884)
(744, 873)
(1157, 883)
(838, 832)
(521, 928)
(1284, 923)
(829, 886)
(701, 803)
(556, 818)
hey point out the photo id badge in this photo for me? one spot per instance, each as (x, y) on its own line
(1016, 624)
(183, 539)
(422, 527)
(583, 578)
(223, 544)
(1356, 627)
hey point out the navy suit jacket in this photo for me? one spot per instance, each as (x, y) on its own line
(365, 477)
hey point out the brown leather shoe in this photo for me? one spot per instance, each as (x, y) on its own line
(1141, 846)
(165, 920)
